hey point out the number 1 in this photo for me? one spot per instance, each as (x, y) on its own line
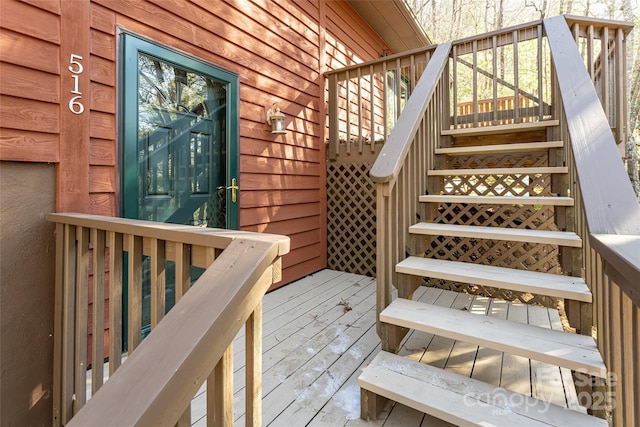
(76, 84)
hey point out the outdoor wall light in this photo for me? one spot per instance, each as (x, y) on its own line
(275, 119)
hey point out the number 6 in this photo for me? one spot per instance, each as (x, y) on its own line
(74, 60)
(75, 106)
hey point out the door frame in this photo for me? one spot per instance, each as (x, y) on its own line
(131, 45)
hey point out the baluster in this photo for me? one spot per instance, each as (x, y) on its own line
(516, 86)
(220, 392)
(114, 242)
(183, 269)
(158, 283)
(634, 337)
(540, 77)
(348, 105)
(373, 110)
(494, 50)
(616, 356)
(475, 83)
(604, 70)
(590, 60)
(97, 347)
(253, 352)
(134, 249)
(455, 85)
(334, 119)
(398, 91)
(359, 79)
(630, 360)
(82, 306)
(183, 282)
(621, 104)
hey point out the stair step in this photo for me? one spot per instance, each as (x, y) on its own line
(499, 171)
(560, 238)
(499, 129)
(498, 200)
(553, 285)
(576, 352)
(499, 148)
(461, 400)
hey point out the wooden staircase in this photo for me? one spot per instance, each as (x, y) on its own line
(497, 152)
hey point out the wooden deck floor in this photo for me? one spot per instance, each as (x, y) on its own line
(319, 332)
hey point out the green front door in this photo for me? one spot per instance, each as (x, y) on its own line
(180, 138)
(180, 143)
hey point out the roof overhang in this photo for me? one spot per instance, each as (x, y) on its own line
(394, 21)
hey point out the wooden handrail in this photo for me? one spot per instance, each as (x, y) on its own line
(240, 267)
(585, 21)
(607, 217)
(502, 32)
(390, 160)
(622, 257)
(377, 63)
(157, 382)
(202, 236)
(609, 201)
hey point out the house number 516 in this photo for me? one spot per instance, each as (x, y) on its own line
(76, 69)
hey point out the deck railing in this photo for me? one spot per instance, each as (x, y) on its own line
(608, 220)
(189, 345)
(511, 63)
(365, 100)
(602, 45)
(400, 175)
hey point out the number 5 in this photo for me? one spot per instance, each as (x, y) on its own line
(74, 61)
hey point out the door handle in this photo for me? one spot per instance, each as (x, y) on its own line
(234, 189)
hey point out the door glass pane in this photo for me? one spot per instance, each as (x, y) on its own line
(181, 145)
(181, 155)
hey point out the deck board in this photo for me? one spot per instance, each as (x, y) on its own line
(314, 351)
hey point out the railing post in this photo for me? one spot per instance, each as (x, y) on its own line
(57, 325)
(69, 284)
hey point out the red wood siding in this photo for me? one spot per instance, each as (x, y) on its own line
(279, 49)
(30, 82)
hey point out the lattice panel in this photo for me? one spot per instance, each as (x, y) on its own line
(514, 216)
(498, 185)
(351, 219)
